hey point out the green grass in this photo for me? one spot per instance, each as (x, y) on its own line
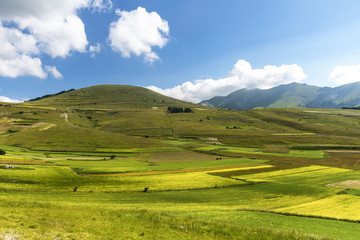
(33, 223)
(54, 213)
(126, 165)
(271, 181)
(258, 151)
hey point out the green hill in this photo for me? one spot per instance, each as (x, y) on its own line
(109, 96)
(98, 117)
(290, 95)
(109, 117)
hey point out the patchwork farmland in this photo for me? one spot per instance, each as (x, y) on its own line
(124, 167)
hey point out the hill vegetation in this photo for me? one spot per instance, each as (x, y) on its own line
(112, 162)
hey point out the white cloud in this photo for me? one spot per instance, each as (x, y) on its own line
(32, 27)
(53, 71)
(101, 5)
(241, 76)
(94, 49)
(137, 32)
(9, 100)
(54, 24)
(341, 75)
(20, 66)
(15, 54)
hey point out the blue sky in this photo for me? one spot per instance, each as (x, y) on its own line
(188, 49)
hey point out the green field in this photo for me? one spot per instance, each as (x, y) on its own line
(78, 166)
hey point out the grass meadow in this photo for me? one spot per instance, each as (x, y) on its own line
(184, 199)
(122, 167)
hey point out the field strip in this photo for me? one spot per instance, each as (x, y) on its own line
(343, 151)
(206, 169)
(285, 175)
(297, 215)
(293, 134)
(243, 168)
(340, 207)
(34, 106)
(286, 172)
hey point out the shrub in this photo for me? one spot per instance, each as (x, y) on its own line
(178, 110)
(175, 109)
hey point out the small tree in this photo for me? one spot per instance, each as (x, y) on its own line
(2, 152)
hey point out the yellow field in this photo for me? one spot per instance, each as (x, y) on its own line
(162, 182)
(241, 168)
(304, 172)
(339, 207)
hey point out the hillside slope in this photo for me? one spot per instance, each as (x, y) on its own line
(110, 96)
(113, 117)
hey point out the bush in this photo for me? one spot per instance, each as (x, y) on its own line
(2, 152)
(175, 109)
(178, 110)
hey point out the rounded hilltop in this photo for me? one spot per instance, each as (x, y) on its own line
(109, 96)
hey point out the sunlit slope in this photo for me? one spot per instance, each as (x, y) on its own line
(117, 117)
(58, 129)
(110, 96)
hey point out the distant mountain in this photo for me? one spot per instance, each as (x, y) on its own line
(290, 95)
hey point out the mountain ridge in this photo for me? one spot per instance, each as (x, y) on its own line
(290, 96)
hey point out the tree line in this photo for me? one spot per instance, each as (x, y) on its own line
(50, 95)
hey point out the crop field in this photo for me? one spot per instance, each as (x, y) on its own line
(158, 187)
(258, 151)
(123, 167)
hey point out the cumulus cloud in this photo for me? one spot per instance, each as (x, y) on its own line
(9, 100)
(341, 75)
(15, 54)
(54, 24)
(54, 72)
(20, 66)
(94, 49)
(137, 32)
(241, 76)
(32, 27)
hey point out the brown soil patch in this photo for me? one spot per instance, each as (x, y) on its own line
(343, 151)
(352, 184)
